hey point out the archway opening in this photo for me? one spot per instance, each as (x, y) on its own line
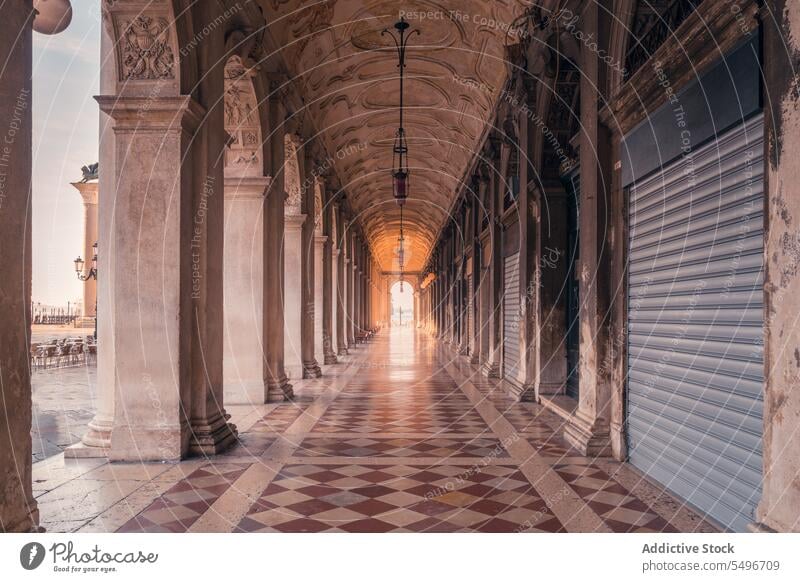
(402, 295)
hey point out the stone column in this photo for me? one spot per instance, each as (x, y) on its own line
(351, 279)
(529, 273)
(365, 284)
(435, 303)
(357, 291)
(293, 296)
(494, 279)
(18, 509)
(97, 439)
(210, 431)
(443, 290)
(474, 290)
(276, 383)
(780, 500)
(447, 288)
(463, 286)
(439, 298)
(243, 280)
(88, 192)
(321, 328)
(455, 281)
(310, 260)
(427, 308)
(330, 331)
(340, 302)
(588, 430)
(156, 367)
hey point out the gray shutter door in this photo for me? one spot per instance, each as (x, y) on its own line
(511, 318)
(695, 315)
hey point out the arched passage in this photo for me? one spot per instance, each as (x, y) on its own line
(402, 304)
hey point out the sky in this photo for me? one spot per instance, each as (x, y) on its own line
(66, 78)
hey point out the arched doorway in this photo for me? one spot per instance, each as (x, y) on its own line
(402, 296)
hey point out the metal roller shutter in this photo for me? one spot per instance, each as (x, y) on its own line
(511, 317)
(695, 315)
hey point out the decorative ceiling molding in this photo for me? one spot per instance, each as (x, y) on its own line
(347, 75)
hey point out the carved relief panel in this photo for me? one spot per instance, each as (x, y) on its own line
(291, 173)
(243, 155)
(319, 205)
(146, 53)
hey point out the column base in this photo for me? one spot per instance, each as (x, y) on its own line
(94, 444)
(141, 444)
(590, 440)
(342, 352)
(331, 359)
(550, 389)
(463, 351)
(213, 438)
(311, 371)
(83, 451)
(294, 371)
(28, 523)
(521, 393)
(278, 390)
(491, 370)
(619, 446)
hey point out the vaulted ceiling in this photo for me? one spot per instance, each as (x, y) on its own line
(347, 73)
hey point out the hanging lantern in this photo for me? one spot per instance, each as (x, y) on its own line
(400, 173)
(400, 186)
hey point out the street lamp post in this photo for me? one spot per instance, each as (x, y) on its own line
(92, 274)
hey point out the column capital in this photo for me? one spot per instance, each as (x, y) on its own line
(87, 190)
(247, 188)
(294, 221)
(133, 114)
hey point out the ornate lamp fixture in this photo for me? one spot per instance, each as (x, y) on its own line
(92, 274)
(79, 263)
(400, 173)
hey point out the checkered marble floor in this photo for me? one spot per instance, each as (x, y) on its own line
(401, 436)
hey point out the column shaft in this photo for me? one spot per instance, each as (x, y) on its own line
(780, 500)
(589, 429)
(276, 383)
(18, 509)
(293, 295)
